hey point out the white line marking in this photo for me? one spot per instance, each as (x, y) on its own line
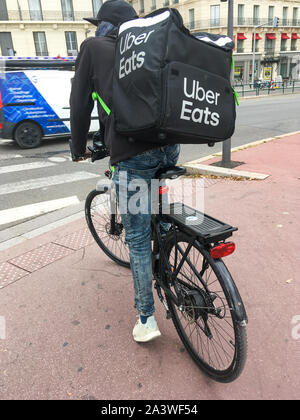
(24, 167)
(6, 157)
(32, 184)
(32, 210)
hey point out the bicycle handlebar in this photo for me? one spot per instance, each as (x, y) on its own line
(98, 150)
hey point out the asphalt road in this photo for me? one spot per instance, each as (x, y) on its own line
(31, 181)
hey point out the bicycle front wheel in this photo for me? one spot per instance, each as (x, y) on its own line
(106, 227)
(203, 316)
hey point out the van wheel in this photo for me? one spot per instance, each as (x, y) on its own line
(28, 135)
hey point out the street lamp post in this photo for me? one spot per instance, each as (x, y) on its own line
(226, 146)
(253, 54)
(275, 25)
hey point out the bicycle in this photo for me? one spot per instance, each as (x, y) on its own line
(190, 277)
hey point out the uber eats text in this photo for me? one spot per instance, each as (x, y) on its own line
(136, 60)
(191, 112)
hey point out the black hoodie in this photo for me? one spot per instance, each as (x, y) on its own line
(94, 73)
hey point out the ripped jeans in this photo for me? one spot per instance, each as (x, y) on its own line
(137, 225)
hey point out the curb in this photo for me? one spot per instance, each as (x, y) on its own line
(196, 167)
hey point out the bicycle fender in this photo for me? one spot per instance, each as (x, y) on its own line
(232, 293)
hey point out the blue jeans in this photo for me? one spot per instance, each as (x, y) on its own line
(141, 169)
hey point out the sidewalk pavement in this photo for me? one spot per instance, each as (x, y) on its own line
(66, 310)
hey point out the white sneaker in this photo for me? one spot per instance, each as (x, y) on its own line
(145, 332)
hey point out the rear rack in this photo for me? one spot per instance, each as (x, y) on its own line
(195, 223)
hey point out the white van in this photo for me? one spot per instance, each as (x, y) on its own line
(35, 104)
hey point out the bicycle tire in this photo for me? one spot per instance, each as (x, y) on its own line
(98, 217)
(231, 334)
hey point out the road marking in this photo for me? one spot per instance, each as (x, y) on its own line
(24, 167)
(6, 157)
(32, 184)
(33, 210)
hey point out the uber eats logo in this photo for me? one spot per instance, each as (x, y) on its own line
(136, 60)
(194, 110)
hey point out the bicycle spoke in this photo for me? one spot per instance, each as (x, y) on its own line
(204, 316)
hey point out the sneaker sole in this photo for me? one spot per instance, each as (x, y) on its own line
(149, 337)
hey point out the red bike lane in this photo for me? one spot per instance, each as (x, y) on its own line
(69, 312)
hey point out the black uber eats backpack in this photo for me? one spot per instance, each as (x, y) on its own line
(169, 86)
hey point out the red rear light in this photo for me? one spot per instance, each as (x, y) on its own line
(222, 250)
(163, 190)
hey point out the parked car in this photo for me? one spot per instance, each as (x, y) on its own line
(35, 104)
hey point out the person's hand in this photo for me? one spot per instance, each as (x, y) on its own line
(86, 156)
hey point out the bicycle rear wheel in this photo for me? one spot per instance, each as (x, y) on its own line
(204, 319)
(106, 228)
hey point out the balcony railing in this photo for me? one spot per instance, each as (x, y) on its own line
(248, 22)
(47, 15)
(270, 52)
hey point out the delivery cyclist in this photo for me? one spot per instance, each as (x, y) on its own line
(139, 160)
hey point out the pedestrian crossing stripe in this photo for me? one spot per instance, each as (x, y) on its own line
(45, 182)
(25, 167)
(36, 209)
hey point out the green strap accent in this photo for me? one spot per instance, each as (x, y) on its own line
(236, 95)
(113, 169)
(96, 97)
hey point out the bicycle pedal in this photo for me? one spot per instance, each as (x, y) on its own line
(168, 316)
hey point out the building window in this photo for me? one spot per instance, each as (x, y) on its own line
(295, 16)
(71, 41)
(215, 15)
(6, 45)
(67, 9)
(240, 46)
(270, 44)
(3, 10)
(96, 6)
(241, 19)
(283, 45)
(283, 70)
(35, 10)
(271, 14)
(192, 18)
(255, 15)
(153, 7)
(142, 6)
(285, 12)
(294, 45)
(40, 43)
(166, 2)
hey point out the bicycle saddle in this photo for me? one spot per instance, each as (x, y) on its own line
(171, 172)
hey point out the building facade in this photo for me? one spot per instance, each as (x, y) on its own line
(56, 27)
(45, 27)
(277, 49)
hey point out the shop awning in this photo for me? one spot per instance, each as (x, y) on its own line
(295, 36)
(271, 36)
(258, 37)
(241, 36)
(285, 36)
